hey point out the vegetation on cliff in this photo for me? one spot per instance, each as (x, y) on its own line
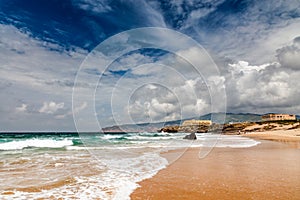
(236, 128)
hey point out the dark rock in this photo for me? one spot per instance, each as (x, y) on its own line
(191, 136)
(169, 129)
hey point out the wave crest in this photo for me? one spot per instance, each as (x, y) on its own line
(40, 143)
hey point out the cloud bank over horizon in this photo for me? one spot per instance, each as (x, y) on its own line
(256, 46)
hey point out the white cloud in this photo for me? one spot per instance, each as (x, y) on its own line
(151, 87)
(95, 6)
(167, 88)
(253, 34)
(263, 47)
(18, 64)
(270, 87)
(186, 99)
(22, 108)
(75, 110)
(32, 72)
(131, 61)
(51, 107)
(289, 56)
(244, 67)
(195, 15)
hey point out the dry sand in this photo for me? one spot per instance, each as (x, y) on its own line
(270, 170)
(291, 136)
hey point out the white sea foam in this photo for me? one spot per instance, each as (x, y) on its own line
(138, 137)
(203, 140)
(111, 136)
(233, 141)
(41, 143)
(117, 182)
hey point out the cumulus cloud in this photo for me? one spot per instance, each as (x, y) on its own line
(158, 92)
(289, 56)
(158, 102)
(51, 107)
(151, 102)
(244, 67)
(270, 87)
(142, 88)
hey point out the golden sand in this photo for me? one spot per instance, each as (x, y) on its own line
(268, 171)
(277, 135)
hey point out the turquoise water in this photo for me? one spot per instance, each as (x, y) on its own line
(18, 141)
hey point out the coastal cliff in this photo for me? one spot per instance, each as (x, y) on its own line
(235, 128)
(185, 129)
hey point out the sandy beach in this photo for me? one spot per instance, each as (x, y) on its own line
(270, 170)
(286, 136)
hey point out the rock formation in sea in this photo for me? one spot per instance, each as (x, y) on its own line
(191, 136)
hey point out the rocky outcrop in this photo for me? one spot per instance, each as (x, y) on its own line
(188, 129)
(169, 129)
(185, 129)
(235, 128)
(191, 136)
(194, 129)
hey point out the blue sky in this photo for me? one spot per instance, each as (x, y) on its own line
(255, 45)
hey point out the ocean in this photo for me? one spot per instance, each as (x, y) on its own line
(92, 165)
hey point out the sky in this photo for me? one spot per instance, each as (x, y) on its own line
(87, 64)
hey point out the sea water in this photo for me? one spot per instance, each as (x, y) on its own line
(91, 166)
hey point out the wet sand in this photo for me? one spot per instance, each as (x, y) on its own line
(270, 170)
